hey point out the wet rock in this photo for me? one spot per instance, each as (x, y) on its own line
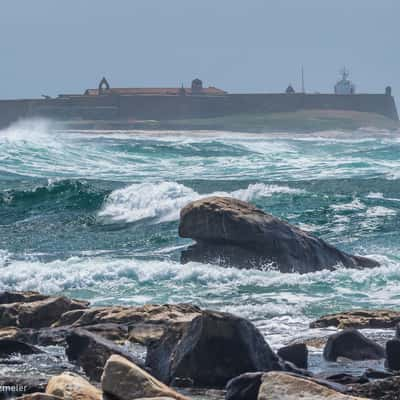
(295, 353)
(281, 386)
(359, 319)
(12, 346)
(232, 232)
(353, 345)
(124, 380)
(380, 389)
(153, 314)
(91, 351)
(72, 387)
(244, 387)
(37, 314)
(214, 348)
(393, 354)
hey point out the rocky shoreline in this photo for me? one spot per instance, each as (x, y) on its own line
(180, 351)
(187, 351)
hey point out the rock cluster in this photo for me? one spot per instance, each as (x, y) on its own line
(186, 347)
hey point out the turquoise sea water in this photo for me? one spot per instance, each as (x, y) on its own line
(95, 215)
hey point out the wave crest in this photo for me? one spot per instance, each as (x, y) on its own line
(163, 201)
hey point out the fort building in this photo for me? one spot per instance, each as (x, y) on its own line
(108, 103)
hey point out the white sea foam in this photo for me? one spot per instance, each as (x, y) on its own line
(356, 204)
(40, 149)
(163, 201)
(375, 195)
(380, 211)
(279, 304)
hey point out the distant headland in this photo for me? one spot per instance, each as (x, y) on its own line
(197, 106)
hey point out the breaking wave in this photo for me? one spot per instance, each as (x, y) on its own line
(163, 201)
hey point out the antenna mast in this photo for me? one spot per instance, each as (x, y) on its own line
(302, 80)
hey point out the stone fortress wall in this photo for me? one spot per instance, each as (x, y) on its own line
(171, 107)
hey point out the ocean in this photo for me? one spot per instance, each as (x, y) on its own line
(94, 215)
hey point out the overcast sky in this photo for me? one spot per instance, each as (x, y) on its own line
(65, 46)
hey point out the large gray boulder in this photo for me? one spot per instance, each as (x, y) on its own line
(231, 232)
(211, 350)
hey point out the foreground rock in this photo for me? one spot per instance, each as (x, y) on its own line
(359, 319)
(232, 232)
(281, 386)
(211, 350)
(72, 387)
(352, 345)
(32, 310)
(126, 381)
(91, 352)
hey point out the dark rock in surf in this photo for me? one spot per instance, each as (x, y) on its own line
(232, 232)
(11, 346)
(393, 354)
(353, 345)
(212, 349)
(295, 353)
(244, 387)
(91, 352)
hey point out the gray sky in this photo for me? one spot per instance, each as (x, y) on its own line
(66, 46)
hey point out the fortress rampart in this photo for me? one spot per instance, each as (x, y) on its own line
(171, 107)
